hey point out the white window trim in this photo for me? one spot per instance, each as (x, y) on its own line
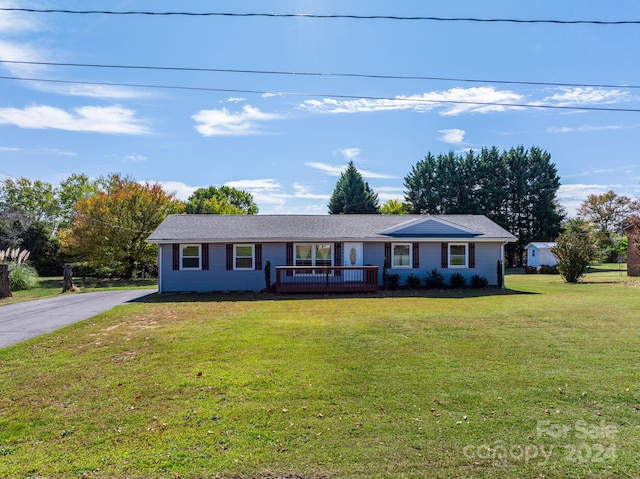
(313, 255)
(393, 255)
(253, 257)
(186, 245)
(466, 255)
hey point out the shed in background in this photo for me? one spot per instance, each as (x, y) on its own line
(539, 253)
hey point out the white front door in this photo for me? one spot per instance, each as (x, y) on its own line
(352, 253)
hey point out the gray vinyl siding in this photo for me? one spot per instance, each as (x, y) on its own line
(217, 278)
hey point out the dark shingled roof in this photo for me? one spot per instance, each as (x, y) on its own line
(270, 228)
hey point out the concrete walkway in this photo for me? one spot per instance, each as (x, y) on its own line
(26, 320)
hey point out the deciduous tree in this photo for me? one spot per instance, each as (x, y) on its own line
(110, 228)
(393, 207)
(574, 251)
(223, 200)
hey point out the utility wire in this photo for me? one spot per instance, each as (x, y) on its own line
(322, 95)
(320, 74)
(314, 15)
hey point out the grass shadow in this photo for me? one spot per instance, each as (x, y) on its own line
(237, 296)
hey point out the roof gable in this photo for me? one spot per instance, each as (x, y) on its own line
(430, 227)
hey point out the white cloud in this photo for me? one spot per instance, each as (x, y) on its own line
(266, 184)
(9, 148)
(328, 169)
(179, 189)
(16, 22)
(350, 153)
(236, 100)
(584, 128)
(332, 170)
(453, 136)
(112, 120)
(225, 123)
(135, 158)
(452, 102)
(587, 96)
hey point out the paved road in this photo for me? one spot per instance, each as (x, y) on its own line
(32, 318)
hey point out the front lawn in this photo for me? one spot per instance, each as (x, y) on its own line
(540, 382)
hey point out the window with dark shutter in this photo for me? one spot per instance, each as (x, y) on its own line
(258, 255)
(176, 256)
(444, 255)
(289, 258)
(416, 255)
(337, 257)
(387, 255)
(205, 256)
(472, 255)
(229, 257)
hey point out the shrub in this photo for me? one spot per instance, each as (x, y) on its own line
(393, 281)
(23, 277)
(413, 281)
(457, 280)
(434, 279)
(574, 251)
(530, 269)
(546, 269)
(478, 281)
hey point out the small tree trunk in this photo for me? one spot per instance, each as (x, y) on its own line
(67, 281)
(5, 285)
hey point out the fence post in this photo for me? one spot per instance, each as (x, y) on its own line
(5, 285)
(67, 280)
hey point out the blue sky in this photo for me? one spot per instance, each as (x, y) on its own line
(286, 138)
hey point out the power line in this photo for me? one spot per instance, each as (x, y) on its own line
(321, 74)
(323, 95)
(334, 16)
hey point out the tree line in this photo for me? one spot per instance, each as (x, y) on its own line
(516, 188)
(100, 225)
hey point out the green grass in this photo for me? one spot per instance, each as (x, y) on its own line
(49, 287)
(451, 384)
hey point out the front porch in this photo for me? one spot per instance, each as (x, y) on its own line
(326, 279)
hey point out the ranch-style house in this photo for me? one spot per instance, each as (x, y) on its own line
(321, 253)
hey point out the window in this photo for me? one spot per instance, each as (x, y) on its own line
(243, 256)
(313, 255)
(401, 255)
(190, 256)
(458, 255)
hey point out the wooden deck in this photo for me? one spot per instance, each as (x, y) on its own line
(326, 279)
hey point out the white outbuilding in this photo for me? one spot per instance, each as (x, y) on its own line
(539, 253)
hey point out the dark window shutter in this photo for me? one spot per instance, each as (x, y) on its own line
(387, 255)
(289, 258)
(416, 255)
(176, 256)
(229, 256)
(337, 257)
(258, 256)
(445, 255)
(472, 255)
(205, 256)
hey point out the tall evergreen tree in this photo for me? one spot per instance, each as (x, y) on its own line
(516, 189)
(352, 195)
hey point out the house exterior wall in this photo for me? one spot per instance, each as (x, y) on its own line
(218, 278)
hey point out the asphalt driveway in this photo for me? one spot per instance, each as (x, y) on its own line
(32, 318)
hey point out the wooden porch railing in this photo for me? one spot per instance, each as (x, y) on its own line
(326, 279)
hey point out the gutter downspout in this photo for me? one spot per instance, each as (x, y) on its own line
(160, 273)
(502, 260)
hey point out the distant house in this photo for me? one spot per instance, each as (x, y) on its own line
(539, 253)
(633, 255)
(321, 252)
